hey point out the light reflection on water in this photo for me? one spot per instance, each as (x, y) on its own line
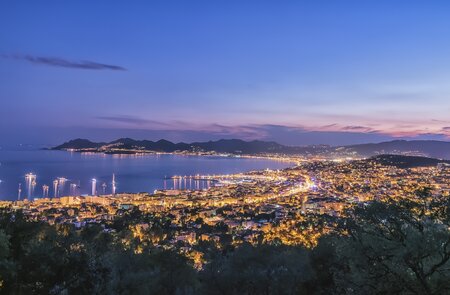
(61, 173)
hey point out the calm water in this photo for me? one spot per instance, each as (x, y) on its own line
(132, 173)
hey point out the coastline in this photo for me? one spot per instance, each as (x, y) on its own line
(146, 183)
(294, 159)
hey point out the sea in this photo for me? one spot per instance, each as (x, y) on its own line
(35, 173)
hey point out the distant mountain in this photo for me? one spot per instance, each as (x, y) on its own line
(241, 147)
(433, 149)
(408, 161)
(235, 146)
(79, 143)
(157, 146)
(428, 148)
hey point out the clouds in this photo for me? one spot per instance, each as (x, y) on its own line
(332, 134)
(177, 131)
(357, 128)
(64, 63)
(131, 120)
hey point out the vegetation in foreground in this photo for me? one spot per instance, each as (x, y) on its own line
(389, 247)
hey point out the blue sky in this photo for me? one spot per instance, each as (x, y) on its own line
(298, 72)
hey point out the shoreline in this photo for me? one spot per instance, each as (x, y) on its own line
(289, 161)
(294, 159)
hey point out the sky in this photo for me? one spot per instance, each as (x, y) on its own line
(296, 72)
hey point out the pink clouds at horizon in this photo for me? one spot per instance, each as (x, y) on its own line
(392, 128)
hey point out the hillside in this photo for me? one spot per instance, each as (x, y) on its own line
(423, 148)
(427, 148)
(408, 161)
(233, 146)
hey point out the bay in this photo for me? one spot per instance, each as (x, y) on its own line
(133, 173)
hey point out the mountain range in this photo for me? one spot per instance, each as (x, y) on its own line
(427, 148)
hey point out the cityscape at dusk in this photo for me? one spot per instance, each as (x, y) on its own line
(225, 147)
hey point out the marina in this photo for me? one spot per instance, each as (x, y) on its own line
(41, 173)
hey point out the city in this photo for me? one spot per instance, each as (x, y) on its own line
(225, 147)
(249, 207)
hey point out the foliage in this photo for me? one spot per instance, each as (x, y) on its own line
(260, 270)
(388, 247)
(396, 247)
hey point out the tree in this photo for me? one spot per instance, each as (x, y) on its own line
(400, 246)
(7, 270)
(160, 272)
(259, 270)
